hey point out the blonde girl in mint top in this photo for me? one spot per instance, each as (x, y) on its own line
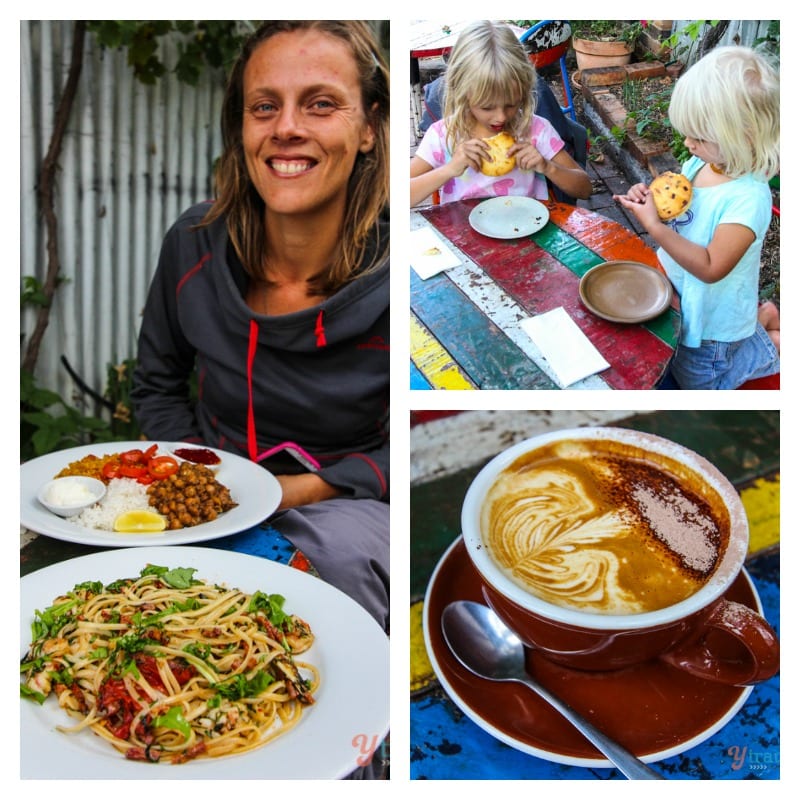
(489, 83)
(728, 107)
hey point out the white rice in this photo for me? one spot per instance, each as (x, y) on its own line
(122, 494)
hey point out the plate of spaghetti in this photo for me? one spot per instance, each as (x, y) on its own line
(236, 495)
(187, 663)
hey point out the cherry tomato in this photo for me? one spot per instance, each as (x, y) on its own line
(110, 470)
(162, 467)
(132, 457)
(128, 470)
(150, 452)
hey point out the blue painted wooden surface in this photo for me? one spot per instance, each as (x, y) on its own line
(265, 541)
(417, 380)
(261, 540)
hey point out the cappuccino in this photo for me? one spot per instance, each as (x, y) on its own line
(604, 526)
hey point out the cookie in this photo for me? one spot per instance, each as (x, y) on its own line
(498, 149)
(672, 193)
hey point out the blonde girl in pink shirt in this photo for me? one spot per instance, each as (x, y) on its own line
(489, 83)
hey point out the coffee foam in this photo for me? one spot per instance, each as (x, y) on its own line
(603, 526)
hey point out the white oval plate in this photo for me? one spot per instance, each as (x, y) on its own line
(350, 715)
(509, 217)
(256, 491)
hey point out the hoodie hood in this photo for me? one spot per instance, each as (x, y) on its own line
(352, 310)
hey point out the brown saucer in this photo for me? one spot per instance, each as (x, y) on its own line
(625, 291)
(653, 709)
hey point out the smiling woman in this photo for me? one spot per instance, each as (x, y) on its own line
(301, 141)
(303, 97)
(277, 294)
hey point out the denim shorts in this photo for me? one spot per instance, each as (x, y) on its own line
(725, 365)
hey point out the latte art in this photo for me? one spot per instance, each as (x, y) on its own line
(598, 526)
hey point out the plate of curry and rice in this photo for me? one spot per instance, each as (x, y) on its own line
(152, 496)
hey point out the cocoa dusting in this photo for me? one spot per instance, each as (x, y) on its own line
(677, 522)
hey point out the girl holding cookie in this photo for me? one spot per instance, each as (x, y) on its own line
(728, 107)
(490, 142)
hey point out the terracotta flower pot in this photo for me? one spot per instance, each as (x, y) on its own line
(590, 53)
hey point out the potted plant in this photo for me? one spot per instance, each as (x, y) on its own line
(604, 42)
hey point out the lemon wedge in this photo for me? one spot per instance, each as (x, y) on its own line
(139, 521)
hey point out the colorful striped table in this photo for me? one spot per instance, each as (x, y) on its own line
(465, 331)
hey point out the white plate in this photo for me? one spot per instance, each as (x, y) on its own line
(509, 217)
(256, 491)
(350, 715)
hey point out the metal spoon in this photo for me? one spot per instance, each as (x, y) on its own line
(484, 645)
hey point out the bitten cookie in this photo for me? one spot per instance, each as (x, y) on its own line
(672, 193)
(498, 148)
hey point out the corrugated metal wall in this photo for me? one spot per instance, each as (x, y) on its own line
(134, 157)
(739, 31)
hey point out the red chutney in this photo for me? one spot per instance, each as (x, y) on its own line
(197, 455)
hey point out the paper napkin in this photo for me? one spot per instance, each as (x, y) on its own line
(429, 254)
(568, 351)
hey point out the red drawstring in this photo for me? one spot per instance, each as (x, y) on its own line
(252, 346)
(319, 331)
(252, 445)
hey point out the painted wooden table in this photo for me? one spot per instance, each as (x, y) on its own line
(447, 744)
(465, 331)
(262, 540)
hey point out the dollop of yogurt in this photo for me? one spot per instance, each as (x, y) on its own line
(68, 493)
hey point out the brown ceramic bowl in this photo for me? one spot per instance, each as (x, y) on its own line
(677, 633)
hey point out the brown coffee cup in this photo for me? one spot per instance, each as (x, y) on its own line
(625, 505)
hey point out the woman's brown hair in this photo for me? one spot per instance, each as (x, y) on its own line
(368, 189)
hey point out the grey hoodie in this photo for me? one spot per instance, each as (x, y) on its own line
(318, 377)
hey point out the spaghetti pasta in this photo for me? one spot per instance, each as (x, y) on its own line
(167, 667)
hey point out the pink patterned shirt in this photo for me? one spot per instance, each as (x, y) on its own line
(433, 150)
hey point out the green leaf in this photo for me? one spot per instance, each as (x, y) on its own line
(240, 686)
(271, 605)
(33, 293)
(133, 643)
(47, 623)
(31, 694)
(174, 720)
(92, 587)
(34, 395)
(198, 650)
(177, 578)
(45, 440)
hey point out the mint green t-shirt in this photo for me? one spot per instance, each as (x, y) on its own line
(725, 311)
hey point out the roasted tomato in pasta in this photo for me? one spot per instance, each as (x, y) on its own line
(117, 707)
